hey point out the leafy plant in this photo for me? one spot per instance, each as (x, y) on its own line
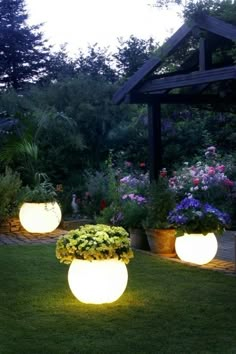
(42, 191)
(192, 216)
(10, 185)
(161, 201)
(94, 242)
(96, 186)
(134, 210)
(111, 215)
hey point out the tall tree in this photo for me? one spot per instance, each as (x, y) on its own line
(132, 54)
(23, 51)
(59, 66)
(97, 63)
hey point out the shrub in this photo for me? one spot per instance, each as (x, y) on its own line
(10, 185)
(192, 216)
(161, 201)
(94, 242)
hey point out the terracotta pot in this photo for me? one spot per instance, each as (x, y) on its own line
(162, 241)
(138, 239)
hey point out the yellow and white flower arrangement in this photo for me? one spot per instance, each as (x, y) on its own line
(94, 242)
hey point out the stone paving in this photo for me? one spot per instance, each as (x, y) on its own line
(24, 238)
(225, 260)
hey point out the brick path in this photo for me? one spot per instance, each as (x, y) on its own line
(24, 238)
(224, 261)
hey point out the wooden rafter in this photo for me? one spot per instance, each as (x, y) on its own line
(217, 26)
(195, 78)
(208, 23)
(180, 99)
(153, 63)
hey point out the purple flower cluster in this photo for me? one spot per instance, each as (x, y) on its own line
(117, 218)
(192, 215)
(139, 199)
(134, 182)
(187, 203)
(224, 218)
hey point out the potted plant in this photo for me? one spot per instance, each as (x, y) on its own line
(159, 231)
(40, 212)
(197, 224)
(97, 255)
(134, 211)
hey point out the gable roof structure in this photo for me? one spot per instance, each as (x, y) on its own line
(207, 75)
(194, 77)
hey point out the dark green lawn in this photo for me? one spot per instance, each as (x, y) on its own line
(167, 308)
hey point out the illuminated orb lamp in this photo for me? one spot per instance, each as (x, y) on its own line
(98, 281)
(40, 217)
(196, 248)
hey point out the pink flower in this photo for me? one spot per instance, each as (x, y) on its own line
(163, 172)
(211, 171)
(220, 168)
(142, 164)
(228, 182)
(196, 181)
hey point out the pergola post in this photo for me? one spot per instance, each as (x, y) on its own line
(154, 136)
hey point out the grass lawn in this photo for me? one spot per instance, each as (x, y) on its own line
(166, 308)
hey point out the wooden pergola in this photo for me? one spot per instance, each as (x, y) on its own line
(206, 76)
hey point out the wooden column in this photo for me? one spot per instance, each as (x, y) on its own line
(202, 54)
(205, 59)
(154, 135)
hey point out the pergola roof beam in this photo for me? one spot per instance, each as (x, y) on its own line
(195, 78)
(153, 63)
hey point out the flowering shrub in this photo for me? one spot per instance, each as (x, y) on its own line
(94, 242)
(138, 199)
(161, 201)
(206, 181)
(199, 177)
(111, 215)
(193, 216)
(134, 183)
(134, 210)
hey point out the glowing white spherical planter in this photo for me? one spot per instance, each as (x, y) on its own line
(196, 248)
(40, 217)
(98, 281)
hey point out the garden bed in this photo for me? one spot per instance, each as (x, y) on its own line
(71, 224)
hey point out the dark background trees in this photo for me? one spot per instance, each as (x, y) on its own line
(68, 102)
(23, 51)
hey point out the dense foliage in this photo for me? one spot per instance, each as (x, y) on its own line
(66, 124)
(23, 53)
(10, 184)
(94, 242)
(193, 217)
